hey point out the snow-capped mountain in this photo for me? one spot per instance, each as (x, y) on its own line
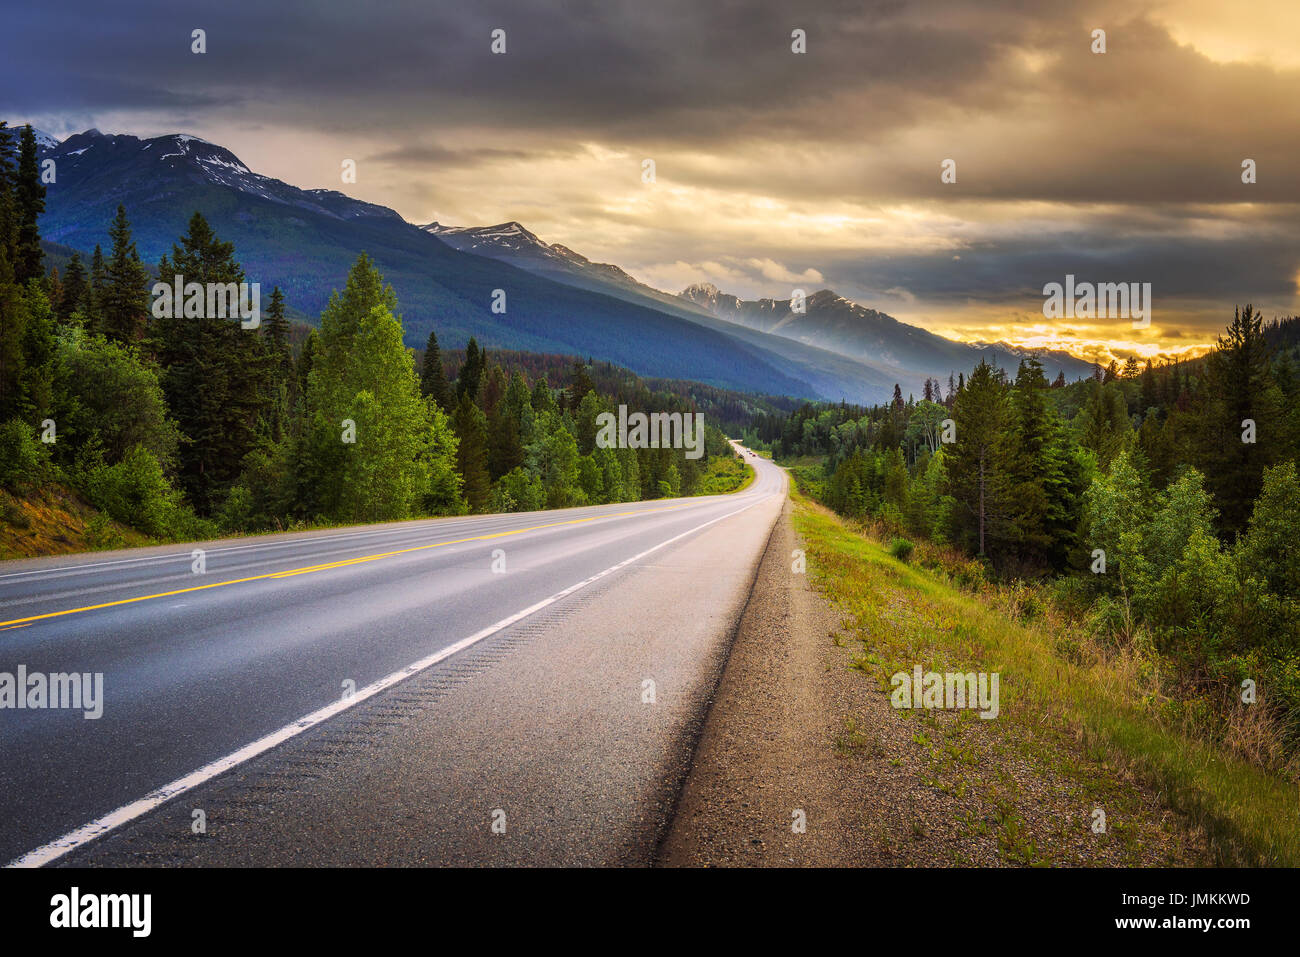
(198, 161)
(514, 243)
(44, 140)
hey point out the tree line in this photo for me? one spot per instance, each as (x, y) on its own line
(1161, 501)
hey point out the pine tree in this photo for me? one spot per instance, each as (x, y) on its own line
(29, 198)
(471, 373)
(276, 330)
(13, 312)
(215, 372)
(1239, 390)
(54, 288)
(470, 427)
(433, 377)
(1044, 477)
(505, 443)
(976, 461)
(281, 383)
(13, 328)
(305, 359)
(124, 300)
(8, 198)
(92, 307)
(579, 387)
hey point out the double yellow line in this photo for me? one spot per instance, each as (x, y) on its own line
(326, 567)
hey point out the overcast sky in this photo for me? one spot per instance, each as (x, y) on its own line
(775, 170)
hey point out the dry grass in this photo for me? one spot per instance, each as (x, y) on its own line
(53, 520)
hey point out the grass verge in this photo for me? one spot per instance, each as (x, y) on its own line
(906, 615)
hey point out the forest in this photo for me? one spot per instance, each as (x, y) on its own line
(184, 427)
(1157, 504)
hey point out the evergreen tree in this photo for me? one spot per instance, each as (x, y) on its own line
(1239, 390)
(579, 387)
(305, 359)
(471, 373)
(276, 330)
(13, 311)
(976, 466)
(91, 307)
(281, 383)
(8, 199)
(470, 427)
(433, 377)
(29, 202)
(215, 372)
(1044, 478)
(505, 450)
(124, 300)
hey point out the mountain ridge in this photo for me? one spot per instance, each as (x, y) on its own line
(304, 240)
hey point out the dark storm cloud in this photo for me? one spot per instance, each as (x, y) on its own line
(1135, 154)
(885, 90)
(441, 156)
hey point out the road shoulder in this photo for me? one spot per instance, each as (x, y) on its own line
(799, 735)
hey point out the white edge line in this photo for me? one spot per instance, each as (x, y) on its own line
(129, 812)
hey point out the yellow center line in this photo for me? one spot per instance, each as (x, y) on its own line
(339, 564)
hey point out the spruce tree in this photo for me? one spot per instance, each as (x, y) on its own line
(1239, 392)
(1044, 477)
(95, 293)
(281, 384)
(471, 373)
(471, 454)
(433, 377)
(124, 300)
(8, 198)
(215, 372)
(976, 461)
(13, 313)
(29, 197)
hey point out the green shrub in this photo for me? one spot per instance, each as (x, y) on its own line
(901, 549)
(518, 491)
(236, 513)
(23, 458)
(135, 492)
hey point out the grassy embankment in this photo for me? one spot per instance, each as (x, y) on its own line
(725, 474)
(55, 521)
(1092, 720)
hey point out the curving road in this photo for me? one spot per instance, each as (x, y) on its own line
(468, 690)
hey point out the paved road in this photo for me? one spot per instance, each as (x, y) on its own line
(198, 665)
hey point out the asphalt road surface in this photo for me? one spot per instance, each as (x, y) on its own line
(517, 688)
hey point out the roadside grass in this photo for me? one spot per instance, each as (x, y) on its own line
(1089, 723)
(724, 476)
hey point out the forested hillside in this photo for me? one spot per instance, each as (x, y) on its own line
(1158, 505)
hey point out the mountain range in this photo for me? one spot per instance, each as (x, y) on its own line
(305, 240)
(906, 354)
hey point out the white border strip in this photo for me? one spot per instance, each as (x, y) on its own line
(109, 822)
